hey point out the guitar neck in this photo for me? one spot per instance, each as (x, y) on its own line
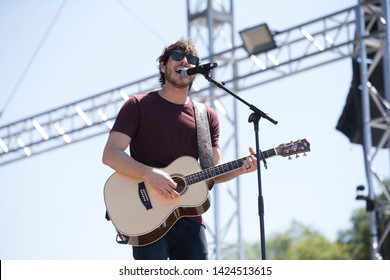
(216, 171)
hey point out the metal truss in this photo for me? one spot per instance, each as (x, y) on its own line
(67, 124)
(210, 25)
(372, 20)
(300, 48)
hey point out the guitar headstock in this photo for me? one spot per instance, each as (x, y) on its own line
(293, 148)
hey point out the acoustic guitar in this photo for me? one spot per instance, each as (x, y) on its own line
(143, 216)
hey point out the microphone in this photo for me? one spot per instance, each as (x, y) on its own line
(201, 69)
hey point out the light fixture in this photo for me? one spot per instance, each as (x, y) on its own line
(40, 129)
(257, 39)
(103, 117)
(61, 132)
(21, 144)
(83, 115)
(123, 94)
(3, 146)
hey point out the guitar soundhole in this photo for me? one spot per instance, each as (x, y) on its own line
(181, 184)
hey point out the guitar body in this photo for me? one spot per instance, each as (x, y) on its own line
(142, 214)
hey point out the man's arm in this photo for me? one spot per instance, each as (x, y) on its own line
(114, 156)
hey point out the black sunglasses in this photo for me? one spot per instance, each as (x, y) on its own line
(191, 59)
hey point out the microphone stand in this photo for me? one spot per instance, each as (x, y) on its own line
(253, 118)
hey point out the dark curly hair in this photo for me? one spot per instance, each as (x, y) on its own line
(185, 46)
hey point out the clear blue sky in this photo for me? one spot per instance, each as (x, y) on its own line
(51, 205)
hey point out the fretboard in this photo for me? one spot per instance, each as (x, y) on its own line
(216, 171)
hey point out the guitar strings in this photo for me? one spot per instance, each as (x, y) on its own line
(208, 173)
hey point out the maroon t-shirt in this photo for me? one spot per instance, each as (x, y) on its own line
(161, 131)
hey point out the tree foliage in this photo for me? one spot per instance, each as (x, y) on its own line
(301, 242)
(358, 237)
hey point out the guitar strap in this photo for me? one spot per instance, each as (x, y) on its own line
(203, 135)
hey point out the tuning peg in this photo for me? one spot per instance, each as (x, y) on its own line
(304, 154)
(289, 158)
(297, 156)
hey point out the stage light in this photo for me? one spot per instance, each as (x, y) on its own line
(21, 144)
(83, 115)
(220, 107)
(257, 39)
(61, 132)
(103, 117)
(123, 94)
(3, 146)
(40, 130)
(310, 37)
(258, 62)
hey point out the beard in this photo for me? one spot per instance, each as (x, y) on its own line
(170, 76)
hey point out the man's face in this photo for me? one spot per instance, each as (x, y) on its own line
(176, 62)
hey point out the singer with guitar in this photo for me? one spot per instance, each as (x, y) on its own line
(160, 127)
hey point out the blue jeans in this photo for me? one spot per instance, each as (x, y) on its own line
(186, 240)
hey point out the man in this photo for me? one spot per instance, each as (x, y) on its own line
(160, 127)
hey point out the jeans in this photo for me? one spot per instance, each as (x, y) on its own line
(186, 240)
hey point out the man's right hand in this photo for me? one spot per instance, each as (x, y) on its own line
(162, 183)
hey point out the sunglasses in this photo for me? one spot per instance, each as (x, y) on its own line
(191, 59)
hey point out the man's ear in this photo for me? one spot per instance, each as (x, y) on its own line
(162, 67)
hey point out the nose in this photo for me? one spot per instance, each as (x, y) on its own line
(184, 59)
